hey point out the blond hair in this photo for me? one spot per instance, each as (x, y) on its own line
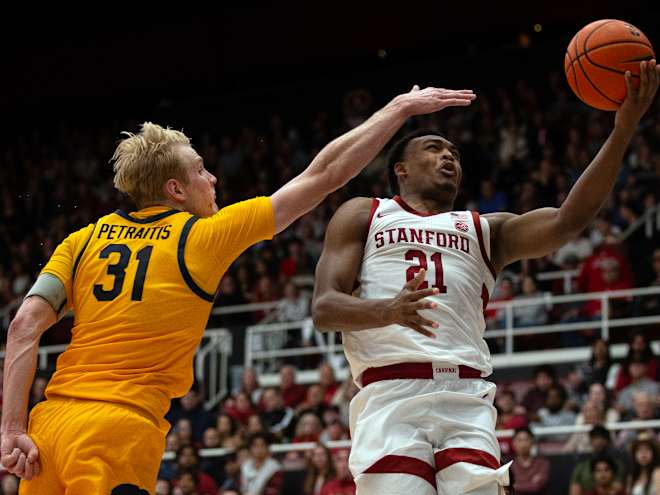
(145, 161)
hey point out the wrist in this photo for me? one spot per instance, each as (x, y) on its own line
(398, 108)
(383, 312)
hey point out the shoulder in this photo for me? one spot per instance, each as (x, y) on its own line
(354, 215)
(495, 220)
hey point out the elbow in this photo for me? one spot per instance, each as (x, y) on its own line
(320, 316)
(21, 330)
(570, 226)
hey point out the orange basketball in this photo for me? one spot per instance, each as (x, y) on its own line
(597, 58)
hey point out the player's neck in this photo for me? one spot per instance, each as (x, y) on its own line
(162, 204)
(425, 204)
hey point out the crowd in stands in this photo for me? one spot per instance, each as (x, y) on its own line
(521, 149)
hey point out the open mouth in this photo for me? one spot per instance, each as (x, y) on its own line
(448, 172)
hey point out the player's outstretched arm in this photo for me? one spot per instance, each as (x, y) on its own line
(334, 308)
(344, 158)
(17, 451)
(543, 231)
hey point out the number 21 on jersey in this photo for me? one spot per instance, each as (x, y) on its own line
(422, 260)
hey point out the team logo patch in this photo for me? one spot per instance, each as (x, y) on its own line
(462, 226)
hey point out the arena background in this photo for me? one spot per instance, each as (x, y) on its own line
(278, 83)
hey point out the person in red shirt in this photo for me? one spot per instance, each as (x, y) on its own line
(328, 382)
(508, 418)
(343, 484)
(292, 392)
(187, 460)
(241, 408)
(531, 474)
(606, 269)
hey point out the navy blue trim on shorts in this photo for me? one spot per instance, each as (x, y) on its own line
(182, 262)
(149, 219)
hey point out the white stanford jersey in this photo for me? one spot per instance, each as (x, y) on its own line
(454, 249)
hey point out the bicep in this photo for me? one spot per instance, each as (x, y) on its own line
(528, 236)
(343, 249)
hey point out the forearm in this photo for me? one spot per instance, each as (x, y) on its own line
(596, 182)
(344, 158)
(20, 366)
(335, 311)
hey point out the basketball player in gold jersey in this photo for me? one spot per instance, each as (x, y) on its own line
(141, 286)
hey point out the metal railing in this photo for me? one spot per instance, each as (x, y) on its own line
(326, 345)
(650, 219)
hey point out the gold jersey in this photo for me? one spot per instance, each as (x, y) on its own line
(141, 286)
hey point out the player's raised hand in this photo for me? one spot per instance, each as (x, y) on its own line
(19, 455)
(429, 100)
(639, 99)
(404, 308)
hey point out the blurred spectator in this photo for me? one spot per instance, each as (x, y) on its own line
(250, 385)
(227, 428)
(639, 348)
(535, 398)
(605, 482)
(187, 461)
(183, 430)
(168, 468)
(578, 248)
(277, 417)
(651, 304)
(645, 407)
(37, 392)
(598, 367)
(294, 306)
(163, 487)
(241, 409)
(297, 262)
(191, 407)
(599, 397)
(508, 418)
(532, 314)
(582, 479)
(320, 469)
(531, 473)
(343, 397)
(637, 369)
(232, 472)
(328, 382)
(553, 412)
(592, 413)
(213, 466)
(343, 484)
(292, 393)
(491, 200)
(308, 428)
(255, 424)
(314, 401)
(644, 478)
(230, 295)
(260, 473)
(495, 318)
(187, 483)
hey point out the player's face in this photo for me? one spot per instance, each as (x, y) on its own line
(200, 190)
(432, 164)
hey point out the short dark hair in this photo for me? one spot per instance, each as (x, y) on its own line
(523, 429)
(562, 391)
(259, 435)
(184, 447)
(600, 431)
(547, 369)
(398, 149)
(190, 472)
(607, 460)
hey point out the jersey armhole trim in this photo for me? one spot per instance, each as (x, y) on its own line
(375, 202)
(482, 245)
(78, 258)
(182, 262)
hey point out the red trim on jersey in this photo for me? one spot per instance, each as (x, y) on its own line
(448, 457)
(411, 371)
(401, 464)
(374, 206)
(485, 296)
(412, 210)
(482, 246)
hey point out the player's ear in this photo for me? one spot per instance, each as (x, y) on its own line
(174, 191)
(400, 169)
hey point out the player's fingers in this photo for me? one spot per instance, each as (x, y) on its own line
(630, 89)
(9, 460)
(422, 293)
(27, 474)
(20, 465)
(33, 455)
(421, 330)
(416, 280)
(420, 320)
(455, 102)
(424, 304)
(643, 79)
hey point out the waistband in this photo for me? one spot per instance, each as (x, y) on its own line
(425, 371)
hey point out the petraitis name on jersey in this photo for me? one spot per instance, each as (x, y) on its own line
(422, 236)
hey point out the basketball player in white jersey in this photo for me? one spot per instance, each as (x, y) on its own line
(423, 422)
